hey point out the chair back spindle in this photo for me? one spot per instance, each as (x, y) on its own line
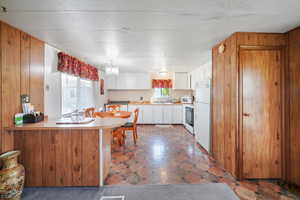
(136, 116)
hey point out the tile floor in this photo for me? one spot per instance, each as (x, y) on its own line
(171, 156)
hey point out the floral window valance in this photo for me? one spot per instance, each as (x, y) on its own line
(158, 83)
(73, 66)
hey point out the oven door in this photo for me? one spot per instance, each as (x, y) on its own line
(189, 116)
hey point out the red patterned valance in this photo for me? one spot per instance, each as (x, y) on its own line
(73, 66)
(157, 83)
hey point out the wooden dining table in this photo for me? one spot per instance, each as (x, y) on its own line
(112, 114)
(117, 133)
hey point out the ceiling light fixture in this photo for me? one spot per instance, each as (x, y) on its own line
(163, 73)
(111, 70)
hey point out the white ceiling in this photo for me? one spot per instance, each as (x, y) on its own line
(146, 35)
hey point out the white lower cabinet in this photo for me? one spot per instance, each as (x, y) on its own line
(158, 114)
(147, 114)
(167, 112)
(131, 109)
(177, 117)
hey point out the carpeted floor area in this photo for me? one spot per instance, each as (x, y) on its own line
(210, 191)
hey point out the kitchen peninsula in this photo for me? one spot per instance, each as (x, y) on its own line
(65, 155)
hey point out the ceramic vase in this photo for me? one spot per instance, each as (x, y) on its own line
(12, 176)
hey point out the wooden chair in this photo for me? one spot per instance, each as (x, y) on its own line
(131, 126)
(89, 112)
(116, 133)
(113, 107)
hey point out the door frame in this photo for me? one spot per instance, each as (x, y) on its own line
(284, 108)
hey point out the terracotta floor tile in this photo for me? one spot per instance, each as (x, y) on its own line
(171, 156)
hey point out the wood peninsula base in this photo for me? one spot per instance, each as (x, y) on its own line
(65, 155)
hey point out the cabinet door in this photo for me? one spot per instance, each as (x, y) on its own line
(167, 114)
(143, 81)
(147, 114)
(111, 82)
(177, 114)
(181, 81)
(157, 114)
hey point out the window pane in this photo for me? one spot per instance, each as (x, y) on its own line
(161, 92)
(157, 92)
(69, 93)
(86, 94)
(165, 92)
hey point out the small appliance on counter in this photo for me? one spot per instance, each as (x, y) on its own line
(186, 99)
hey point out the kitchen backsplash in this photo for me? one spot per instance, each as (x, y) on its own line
(134, 95)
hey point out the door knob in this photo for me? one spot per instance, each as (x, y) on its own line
(246, 114)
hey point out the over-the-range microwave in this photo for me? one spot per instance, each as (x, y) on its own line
(186, 99)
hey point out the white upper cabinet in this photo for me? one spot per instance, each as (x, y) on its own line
(111, 82)
(129, 81)
(181, 81)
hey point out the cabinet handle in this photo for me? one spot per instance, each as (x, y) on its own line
(246, 114)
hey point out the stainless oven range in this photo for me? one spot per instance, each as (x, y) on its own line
(188, 122)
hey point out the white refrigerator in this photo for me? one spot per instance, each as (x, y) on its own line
(202, 116)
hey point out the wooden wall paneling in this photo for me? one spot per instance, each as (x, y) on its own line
(285, 91)
(106, 148)
(63, 157)
(218, 106)
(37, 74)
(294, 136)
(33, 161)
(49, 157)
(25, 63)
(19, 145)
(90, 150)
(261, 39)
(230, 105)
(261, 71)
(76, 148)
(10, 72)
(1, 114)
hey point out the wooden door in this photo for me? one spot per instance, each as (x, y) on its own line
(261, 112)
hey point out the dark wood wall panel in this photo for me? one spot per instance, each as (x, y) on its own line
(25, 63)
(76, 146)
(227, 143)
(224, 104)
(293, 174)
(22, 72)
(90, 149)
(61, 157)
(230, 105)
(37, 74)
(261, 39)
(10, 69)
(48, 151)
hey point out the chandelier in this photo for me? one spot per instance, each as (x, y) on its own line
(111, 70)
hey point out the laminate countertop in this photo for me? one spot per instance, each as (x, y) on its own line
(149, 103)
(98, 123)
